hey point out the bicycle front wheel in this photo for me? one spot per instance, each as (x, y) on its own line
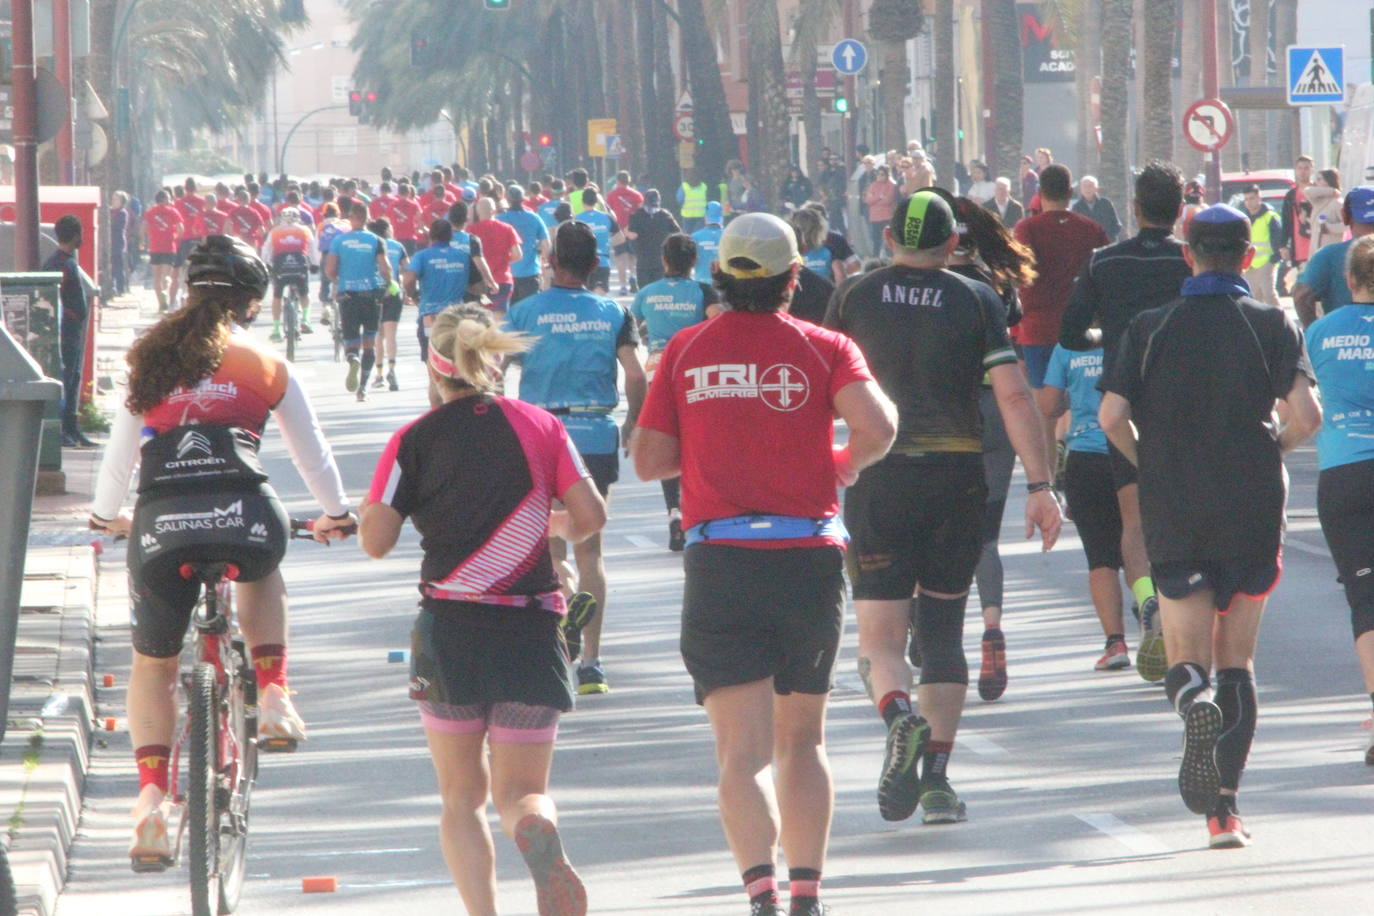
(291, 314)
(202, 810)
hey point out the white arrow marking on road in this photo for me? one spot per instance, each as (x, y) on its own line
(639, 540)
(1137, 841)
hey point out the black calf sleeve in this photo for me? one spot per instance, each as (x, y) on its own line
(1239, 704)
(940, 629)
(1184, 683)
(672, 492)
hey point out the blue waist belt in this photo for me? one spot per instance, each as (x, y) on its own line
(565, 411)
(767, 528)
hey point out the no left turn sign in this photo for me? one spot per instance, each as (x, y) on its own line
(1208, 125)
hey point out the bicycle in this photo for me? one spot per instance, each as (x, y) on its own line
(218, 736)
(291, 320)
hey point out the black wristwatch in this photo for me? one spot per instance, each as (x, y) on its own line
(1039, 486)
(339, 518)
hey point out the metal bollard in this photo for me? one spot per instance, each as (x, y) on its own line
(24, 395)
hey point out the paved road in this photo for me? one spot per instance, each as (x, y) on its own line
(1069, 779)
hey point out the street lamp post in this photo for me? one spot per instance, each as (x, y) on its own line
(281, 155)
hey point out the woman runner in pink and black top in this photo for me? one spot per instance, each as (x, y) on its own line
(479, 476)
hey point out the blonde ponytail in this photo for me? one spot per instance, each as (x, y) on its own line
(466, 337)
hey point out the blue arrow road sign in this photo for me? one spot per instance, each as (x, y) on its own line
(849, 56)
(1316, 75)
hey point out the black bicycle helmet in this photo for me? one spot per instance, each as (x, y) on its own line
(224, 261)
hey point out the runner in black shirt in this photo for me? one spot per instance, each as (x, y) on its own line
(916, 516)
(1199, 377)
(1119, 282)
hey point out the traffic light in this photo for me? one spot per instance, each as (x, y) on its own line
(369, 103)
(355, 103)
(496, 4)
(840, 105)
(419, 49)
(545, 140)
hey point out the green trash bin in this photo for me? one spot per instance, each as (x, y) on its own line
(31, 313)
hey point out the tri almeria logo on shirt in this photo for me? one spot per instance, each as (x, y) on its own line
(782, 386)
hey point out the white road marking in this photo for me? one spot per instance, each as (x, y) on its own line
(356, 852)
(640, 540)
(1306, 548)
(1137, 841)
(981, 745)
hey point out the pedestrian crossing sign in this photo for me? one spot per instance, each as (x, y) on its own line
(1316, 75)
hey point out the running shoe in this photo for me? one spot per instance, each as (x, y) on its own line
(151, 849)
(280, 727)
(276, 337)
(940, 804)
(581, 610)
(899, 787)
(1115, 658)
(1226, 832)
(591, 679)
(812, 907)
(760, 908)
(557, 887)
(992, 678)
(1199, 781)
(677, 541)
(305, 325)
(351, 382)
(326, 315)
(391, 380)
(362, 393)
(379, 381)
(1150, 658)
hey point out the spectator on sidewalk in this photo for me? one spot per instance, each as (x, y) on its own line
(119, 242)
(1007, 208)
(881, 199)
(74, 316)
(1266, 234)
(1097, 208)
(981, 186)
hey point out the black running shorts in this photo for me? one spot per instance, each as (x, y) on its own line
(752, 614)
(359, 314)
(163, 258)
(1345, 504)
(524, 288)
(1091, 492)
(1253, 577)
(605, 470)
(391, 308)
(1123, 472)
(915, 521)
(466, 654)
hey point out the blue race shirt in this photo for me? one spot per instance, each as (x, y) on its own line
(357, 253)
(708, 250)
(532, 231)
(442, 272)
(545, 212)
(1077, 373)
(1341, 347)
(395, 251)
(1325, 273)
(817, 260)
(603, 227)
(572, 363)
(667, 306)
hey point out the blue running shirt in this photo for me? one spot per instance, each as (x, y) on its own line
(395, 252)
(1341, 348)
(572, 363)
(708, 250)
(1325, 274)
(603, 227)
(546, 209)
(669, 305)
(817, 260)
(532, 231)
(1077, 373)
(357, 252)
(442, 272)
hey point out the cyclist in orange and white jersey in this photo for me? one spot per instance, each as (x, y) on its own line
(291, 253)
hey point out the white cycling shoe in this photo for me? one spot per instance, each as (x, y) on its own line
(151, 849)
(280, 727)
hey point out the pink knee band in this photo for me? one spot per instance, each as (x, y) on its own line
(500, 734)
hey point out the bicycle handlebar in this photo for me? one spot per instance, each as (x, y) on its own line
(303, 529)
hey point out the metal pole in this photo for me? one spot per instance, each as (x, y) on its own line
(1211, 88)
(281, 155)
(62, 60)
(25, 124)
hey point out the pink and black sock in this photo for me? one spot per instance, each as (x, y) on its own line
(894, 705)
(804, 889)
(761, 884)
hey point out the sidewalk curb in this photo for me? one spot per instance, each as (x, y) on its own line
(45, 754)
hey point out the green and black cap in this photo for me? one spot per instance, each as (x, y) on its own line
(922, 221)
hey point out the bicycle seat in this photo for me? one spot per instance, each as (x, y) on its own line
(208, 572)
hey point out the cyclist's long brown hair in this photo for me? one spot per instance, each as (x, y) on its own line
(1011, 264)
(183, 348)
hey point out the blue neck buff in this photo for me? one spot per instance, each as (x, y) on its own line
(1216, 283)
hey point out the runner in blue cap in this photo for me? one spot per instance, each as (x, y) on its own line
(1323, 279)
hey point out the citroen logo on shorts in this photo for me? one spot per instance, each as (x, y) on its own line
(783, 387)
(193, 442)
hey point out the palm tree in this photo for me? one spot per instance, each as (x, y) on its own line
(661, 157)
(1157, 102)
(892, 23)
(1257, 30)
(710, 112)
(1285, 34)
(944, 118)
(1190, 87)
(1005, 95)
(769, 137)
(811, 27)
(1087, 59)
(1116, 66)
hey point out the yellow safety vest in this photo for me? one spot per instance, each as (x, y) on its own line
(693, 200)
(1260, 238)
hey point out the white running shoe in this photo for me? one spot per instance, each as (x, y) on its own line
(279, 725)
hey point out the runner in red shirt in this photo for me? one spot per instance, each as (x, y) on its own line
(624, 200)
(216, 220)
(162, 226)
(245, 221)
(380, 207)
(500, 246)
(405, 219)
(264, 212)
(435, 204)
(763, 601)
(534, 195)
(224, 198)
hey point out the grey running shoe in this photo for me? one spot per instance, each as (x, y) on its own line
(1199, 781)
(1151, 661)
(557, 886)
(940, 803)
(899, 787)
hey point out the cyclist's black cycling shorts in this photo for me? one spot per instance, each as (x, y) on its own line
(245, 526)
(298, 281)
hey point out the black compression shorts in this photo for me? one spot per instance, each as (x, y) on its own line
(1345, 504)
(915, 521)
(605, 470)
(359, 314)
(1123, 472)
(1091, 492)
(391, 308)
(247, 527)
(751, 614)
(164, 258)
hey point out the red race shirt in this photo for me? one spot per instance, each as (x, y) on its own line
(164, 225)
(623, 202)
(405, 219)
(751, 399)
(432, 208)
(226, 204)
(247, 224)
(534, 200)
(497, 239)
(217, 222)
(248, 385)
(1062, 242)
(192, 207)
(380, 206)
(263, 211)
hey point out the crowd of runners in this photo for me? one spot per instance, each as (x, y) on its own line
(740, 338)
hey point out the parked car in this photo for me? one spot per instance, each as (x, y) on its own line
(1273, 185)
